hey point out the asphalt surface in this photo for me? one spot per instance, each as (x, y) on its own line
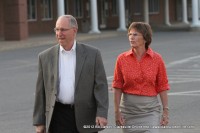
(180, 50)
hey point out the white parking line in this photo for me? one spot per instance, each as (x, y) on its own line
(185, 93)
(184, 80)
(178, 62)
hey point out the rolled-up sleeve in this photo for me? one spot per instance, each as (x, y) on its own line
(118, 76)
(162, 80)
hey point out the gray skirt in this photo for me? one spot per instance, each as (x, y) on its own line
(141, 113)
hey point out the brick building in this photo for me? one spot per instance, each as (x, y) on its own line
(21, 18)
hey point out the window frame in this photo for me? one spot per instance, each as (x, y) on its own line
(30, 9)
(154, 6)
(78, 8)
(115, 9)
(49, 4)
(137, 7)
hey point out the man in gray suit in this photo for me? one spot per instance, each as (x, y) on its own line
(71, 91)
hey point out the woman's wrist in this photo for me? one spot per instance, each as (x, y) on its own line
(117, 111)
(165, 116)
(166, 108)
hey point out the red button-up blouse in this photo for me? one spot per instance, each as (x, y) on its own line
(146, 77)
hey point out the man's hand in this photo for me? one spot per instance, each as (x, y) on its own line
(40, 129)
(101, 121)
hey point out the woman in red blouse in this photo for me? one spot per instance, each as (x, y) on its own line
(139, 76)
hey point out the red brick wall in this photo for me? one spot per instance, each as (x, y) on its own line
(172, 10)
(15, 20)
(113, 22)
(40, 26)
(158, 18)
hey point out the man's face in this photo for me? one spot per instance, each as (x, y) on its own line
(64, 33)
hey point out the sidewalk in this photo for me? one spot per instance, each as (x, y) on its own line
(47, 39)
(50, 39)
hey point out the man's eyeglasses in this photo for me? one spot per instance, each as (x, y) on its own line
(134, 34)
(61, 29)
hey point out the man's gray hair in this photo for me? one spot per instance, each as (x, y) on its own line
(72, 21)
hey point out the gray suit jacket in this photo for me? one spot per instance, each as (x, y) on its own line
(91, 89)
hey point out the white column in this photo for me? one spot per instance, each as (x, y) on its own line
(94, 18)
(199, 10)
(146, 11)
(61, 7)
(167, 12)
(122, 21)
(184, 15)
(195, 15)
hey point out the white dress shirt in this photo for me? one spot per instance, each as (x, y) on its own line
(67, 67)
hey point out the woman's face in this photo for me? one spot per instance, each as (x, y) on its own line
(136, 39)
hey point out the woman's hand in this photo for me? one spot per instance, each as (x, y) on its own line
(119, 119)
(165, 117)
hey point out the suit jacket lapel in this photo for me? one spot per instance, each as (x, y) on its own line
(55, 66)
(80, 59)
(54, 80)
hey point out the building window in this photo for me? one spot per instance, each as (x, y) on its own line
(114, 7)
(31, 5)
(78, 8)
(66, 7)
(88, 9)
(137, 7)
(47, 9)
(153, 6)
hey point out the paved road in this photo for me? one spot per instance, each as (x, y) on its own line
(180, 50)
